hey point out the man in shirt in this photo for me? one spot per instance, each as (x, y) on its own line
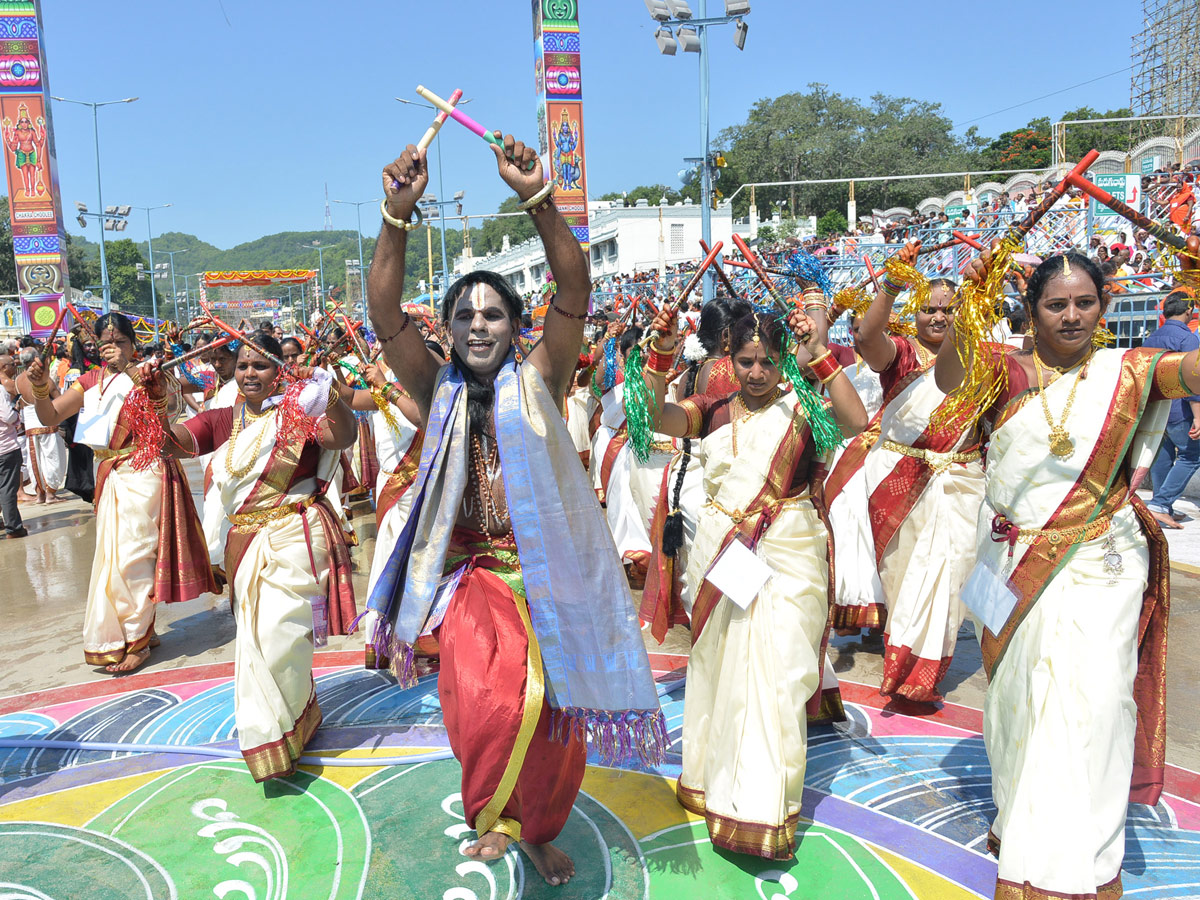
(1179, 456)
(10, 449)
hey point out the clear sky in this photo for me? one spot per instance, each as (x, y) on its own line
(248, 107)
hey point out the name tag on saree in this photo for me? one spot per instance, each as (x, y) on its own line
(738, 574)
(93, 428)
(987, 594)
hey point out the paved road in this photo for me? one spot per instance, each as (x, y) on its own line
(44, 578)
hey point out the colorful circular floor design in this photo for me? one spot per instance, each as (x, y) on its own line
(895, 807)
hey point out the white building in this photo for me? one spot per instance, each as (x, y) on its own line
(624, 240)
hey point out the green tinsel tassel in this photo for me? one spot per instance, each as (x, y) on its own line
(825, 431)
(639, 422)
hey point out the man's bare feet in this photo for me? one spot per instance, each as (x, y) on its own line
(129, 663)
(1165, 520)
(552, 864)
(491, 846)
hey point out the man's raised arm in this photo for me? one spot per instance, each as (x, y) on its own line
(404, 182)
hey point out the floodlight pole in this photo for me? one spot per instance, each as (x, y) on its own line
(150, 243)
(362, 281)
(705, 172)
(99, 188)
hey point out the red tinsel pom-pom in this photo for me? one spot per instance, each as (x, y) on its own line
(294, 425)
(147, 430)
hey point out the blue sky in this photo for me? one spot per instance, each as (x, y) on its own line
(240, 123)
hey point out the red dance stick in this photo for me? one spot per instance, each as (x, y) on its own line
(194, 352)
(721, 273)
(1018, 230)
(690, 286)
(239, 336)
(1160, 231)
(970, 242)
(84, 326)
(761, 274)
(871, 275)
(49, 349)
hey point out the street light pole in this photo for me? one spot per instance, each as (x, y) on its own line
(705, 171)
(174, 287)
(362, 282)
(320, 248)
(150, 242)
(99, 187)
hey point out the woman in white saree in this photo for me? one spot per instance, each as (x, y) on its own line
(757, 656)
(285, 554)
(149, 543)
(1071, 586)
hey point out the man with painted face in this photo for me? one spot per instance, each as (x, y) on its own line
(924, 486)
(506, 557)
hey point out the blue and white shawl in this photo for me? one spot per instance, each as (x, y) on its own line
(597, 673)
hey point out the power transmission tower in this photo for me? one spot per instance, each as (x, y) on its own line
(328, 214)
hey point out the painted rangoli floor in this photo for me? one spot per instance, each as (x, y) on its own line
(895, 807)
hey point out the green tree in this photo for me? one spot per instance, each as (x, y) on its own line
(122, 258)
(821, 134)
(833, 222)
(491, 235)
(652, 193)
(83, 266)
(8, 266)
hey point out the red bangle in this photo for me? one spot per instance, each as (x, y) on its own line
(825, 366)
(662, 363)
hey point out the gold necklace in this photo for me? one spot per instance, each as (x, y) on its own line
(1061, 443)
(748, 413)
(233, 436)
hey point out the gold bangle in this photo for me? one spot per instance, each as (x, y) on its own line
(545, 193)
(832, 375)
(334, 396)
(816, 361)
(400, 223)
(40, 391)
(665, 351)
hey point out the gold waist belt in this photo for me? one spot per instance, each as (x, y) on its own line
(35, 432)
(662, 447)
(106, 453)
(772, 506)
(939, 462)
(257, 518)
(1070, 534)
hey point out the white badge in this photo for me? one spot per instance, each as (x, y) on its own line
(94, 428)
(987, 594)
(738, 573)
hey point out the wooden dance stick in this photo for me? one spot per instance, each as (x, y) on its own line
(1018, 230)
(1157, 229)
(438, 120)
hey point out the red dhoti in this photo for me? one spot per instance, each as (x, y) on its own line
(515, 780)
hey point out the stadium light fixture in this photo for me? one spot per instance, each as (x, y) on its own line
(82, 207)
(667, 45)
(740, 29)
(658, 10)
(679, 9)
(737, 8)
(689, 40)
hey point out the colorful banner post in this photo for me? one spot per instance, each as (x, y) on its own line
(560, 108)
(35, 207)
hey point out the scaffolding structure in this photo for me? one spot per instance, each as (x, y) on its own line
(1166, 59)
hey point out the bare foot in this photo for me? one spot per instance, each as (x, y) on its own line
(129, 663)
(491, 846)
(552, 864)
(1165, 520)
(154, 641)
